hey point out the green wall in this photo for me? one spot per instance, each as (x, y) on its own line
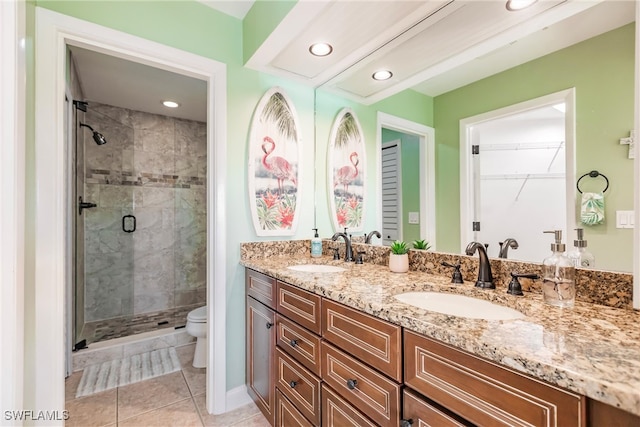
(410, 161)
(196, 28)
(602, 71)
(408, 105)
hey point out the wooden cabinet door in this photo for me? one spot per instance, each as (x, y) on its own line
(261, 342)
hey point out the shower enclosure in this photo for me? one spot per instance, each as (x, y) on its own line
(141, 250)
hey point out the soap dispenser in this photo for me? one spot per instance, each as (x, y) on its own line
(316, 245)
(558, 275)
(580, 256)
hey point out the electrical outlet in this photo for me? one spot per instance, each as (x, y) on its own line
(414, 217)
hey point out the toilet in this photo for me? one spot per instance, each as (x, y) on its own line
(197, 327)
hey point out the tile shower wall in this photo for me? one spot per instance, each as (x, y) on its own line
(152, 167)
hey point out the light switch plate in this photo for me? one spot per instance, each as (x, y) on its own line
(624, 219)
(414, 217)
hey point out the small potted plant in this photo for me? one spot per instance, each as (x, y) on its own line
(399, 258)
(421, 244)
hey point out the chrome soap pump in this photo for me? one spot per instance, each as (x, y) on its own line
(558, 275)
(580, 256)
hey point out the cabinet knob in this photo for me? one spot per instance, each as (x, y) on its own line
(406, 423)
(352, 384)
(269, 325)
(293, 343)
(293, 384)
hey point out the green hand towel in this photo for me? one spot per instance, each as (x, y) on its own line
(592, 208)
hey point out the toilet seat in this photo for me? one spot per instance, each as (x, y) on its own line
(198, 315)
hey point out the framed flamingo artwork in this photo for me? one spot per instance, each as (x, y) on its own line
(275, 155)
(346, 163)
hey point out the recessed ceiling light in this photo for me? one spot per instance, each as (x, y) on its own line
(382, 75)
(515, 5)
(170, 104)
(320, 49)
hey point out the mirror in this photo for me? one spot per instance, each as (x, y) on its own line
(601, 70)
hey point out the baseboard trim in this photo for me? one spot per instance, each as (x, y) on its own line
(237, 397)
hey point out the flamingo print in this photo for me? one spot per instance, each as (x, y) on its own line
(278, 166)
(346, 174)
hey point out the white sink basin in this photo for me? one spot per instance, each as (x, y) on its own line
(316, 268)
(459, 305)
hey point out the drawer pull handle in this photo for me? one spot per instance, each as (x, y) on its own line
(351, 384)
(293, 343)
(269, 325)
(406, 423)
(293, 384)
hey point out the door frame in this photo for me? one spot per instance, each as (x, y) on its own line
(12, 191)
(54, 32)
(567, 96)
(427, 151)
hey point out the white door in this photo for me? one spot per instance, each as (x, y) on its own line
(391, 192)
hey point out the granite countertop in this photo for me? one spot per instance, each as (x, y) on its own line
(590, 349)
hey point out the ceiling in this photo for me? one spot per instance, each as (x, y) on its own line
(430, 46)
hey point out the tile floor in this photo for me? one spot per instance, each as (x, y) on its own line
(172, 400)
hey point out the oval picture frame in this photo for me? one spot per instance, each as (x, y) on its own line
(274, 165)
(346, 166)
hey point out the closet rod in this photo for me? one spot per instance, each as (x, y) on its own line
(523, 176)
(522, 146)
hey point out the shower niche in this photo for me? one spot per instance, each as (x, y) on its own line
(141, 250)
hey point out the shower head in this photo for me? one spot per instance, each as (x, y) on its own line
(97, 136)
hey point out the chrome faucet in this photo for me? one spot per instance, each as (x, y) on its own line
(504, 247)
(367, 240)
(485, 279)
(348, 253)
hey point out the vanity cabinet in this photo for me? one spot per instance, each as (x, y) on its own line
(484, 393)
(312, 361)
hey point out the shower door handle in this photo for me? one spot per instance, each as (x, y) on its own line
(128, 223)
(84, 205)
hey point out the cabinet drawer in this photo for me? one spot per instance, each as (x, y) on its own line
(366, 389)
(300, 306)
(299, 385)
(302, 345)
(374, 341)
(483, 392)
(261, 287)
(419, 412)
(337, 412)
(287, 415)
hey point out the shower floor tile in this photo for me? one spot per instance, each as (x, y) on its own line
(119, 327)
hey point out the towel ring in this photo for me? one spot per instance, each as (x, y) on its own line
(592, 174)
